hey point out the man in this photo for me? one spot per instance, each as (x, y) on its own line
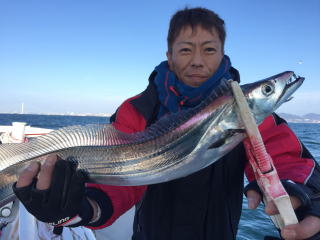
(204, 205)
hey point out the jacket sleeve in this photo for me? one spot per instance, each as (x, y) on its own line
(298, 170)
(122, 198)
(291, 159)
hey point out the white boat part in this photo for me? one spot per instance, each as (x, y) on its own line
(28, 131)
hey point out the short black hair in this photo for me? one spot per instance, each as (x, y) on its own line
(194, 17)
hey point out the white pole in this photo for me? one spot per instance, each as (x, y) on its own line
(22, 108)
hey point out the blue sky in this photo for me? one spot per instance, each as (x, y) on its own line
(88, 56)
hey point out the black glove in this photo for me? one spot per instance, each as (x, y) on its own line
(65, 203)
(293, 189)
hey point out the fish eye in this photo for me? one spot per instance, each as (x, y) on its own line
(267, 89)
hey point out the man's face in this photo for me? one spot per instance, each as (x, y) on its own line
(196, 55)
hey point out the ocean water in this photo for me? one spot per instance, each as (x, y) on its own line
(50, 121)
(254, 224)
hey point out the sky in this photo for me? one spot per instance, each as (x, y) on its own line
(88, 56)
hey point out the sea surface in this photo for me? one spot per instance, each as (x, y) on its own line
(254, 224)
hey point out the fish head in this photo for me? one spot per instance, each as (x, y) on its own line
(266, 95)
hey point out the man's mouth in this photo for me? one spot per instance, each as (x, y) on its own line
(197, 76)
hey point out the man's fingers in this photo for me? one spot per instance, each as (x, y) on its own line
(45, 174)
(26, 177)
(303, 230)
(271, 208)
(254, 199)
(295, 202)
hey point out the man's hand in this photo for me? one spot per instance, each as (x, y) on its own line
(306, 228)
(55, 193)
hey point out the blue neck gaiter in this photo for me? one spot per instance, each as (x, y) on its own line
(174, 95)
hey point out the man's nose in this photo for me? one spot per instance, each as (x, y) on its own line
(197, 59)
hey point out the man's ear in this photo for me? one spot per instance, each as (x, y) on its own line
(169, 58)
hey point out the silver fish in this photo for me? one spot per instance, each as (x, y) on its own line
(175, 146)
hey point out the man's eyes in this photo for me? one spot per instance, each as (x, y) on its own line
(185, 50)
(210, 50)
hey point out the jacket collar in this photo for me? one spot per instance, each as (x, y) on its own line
(148, 102)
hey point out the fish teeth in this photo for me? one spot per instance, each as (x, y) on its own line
(293, 78)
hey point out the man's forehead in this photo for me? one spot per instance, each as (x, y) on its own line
(187, 33)
(193, 29)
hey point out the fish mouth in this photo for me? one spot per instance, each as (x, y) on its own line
(292, 83)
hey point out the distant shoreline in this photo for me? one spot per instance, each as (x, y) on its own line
(307, 118)
(318, 122)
